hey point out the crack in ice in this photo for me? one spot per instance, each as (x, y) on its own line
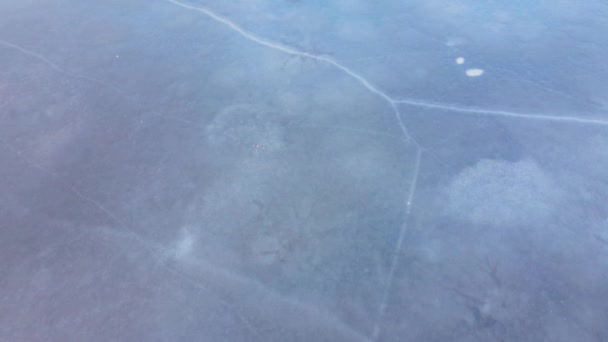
(504, 113)
(372, 89)
(57, 68)
(395, 257)
(295, 52)
(394, 103)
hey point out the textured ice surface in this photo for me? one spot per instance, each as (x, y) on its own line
(497, 192)
(294, 170)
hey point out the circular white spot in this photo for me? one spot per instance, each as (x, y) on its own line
(460, 60)
(474, 72)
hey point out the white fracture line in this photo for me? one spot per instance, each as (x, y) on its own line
(86, 78)
(295, 52)
(35, 55)
(396, 253)
(57, 68)
(504, 113)
(372, 89)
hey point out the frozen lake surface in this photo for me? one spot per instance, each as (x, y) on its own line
(294, 170)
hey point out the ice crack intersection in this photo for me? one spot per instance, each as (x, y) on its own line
(394, 103)
(372, 89)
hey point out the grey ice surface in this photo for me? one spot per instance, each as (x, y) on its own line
(275, 170)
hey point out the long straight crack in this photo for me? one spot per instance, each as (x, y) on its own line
(503, 113)
(57, 68)
(395, 257)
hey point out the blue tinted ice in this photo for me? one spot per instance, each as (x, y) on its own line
(294, 170)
